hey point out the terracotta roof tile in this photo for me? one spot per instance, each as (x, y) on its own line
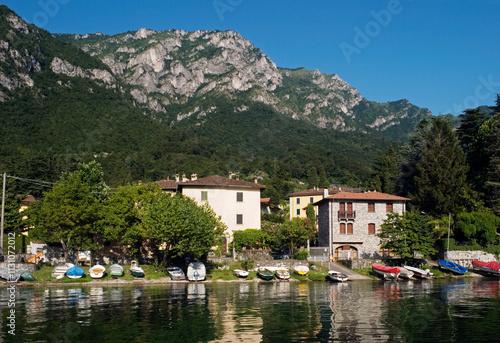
(217, 180)
(319, 191)
(167, 184)
(367, 196)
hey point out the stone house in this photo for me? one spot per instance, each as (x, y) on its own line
(348, 223)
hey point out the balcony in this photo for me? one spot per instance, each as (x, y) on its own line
(347, 215)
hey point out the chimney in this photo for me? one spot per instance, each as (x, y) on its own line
(237, 177)
(176, 177)
(168, 178)
(230, 175)
(140, 182)
(184, 178)
(325, 193)
(255, 178)
(194, 177)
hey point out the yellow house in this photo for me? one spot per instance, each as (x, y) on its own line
(300, 200)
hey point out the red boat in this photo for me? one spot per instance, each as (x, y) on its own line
(388, 273)
(492, 267)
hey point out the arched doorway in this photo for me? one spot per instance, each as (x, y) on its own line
(346, 252)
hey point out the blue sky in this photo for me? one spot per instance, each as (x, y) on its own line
(443, 55)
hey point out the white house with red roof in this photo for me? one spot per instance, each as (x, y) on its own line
(236, 202)
(348, 223)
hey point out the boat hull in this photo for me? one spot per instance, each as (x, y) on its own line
(241, 273)
(492, 268)
(75, 272)
(282, 274)
(265, 274)
(387, 273)
(337, 276)
(452, 267)
(115, 270)
(97, 271)
(420, 273)
(196, 271)
(176, 274)
(301, 270)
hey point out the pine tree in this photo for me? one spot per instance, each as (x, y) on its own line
(386, 172)
(441, 173)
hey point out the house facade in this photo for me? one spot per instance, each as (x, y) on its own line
(348, 223)
(236, 202)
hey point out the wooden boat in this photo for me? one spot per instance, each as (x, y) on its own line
(75, 272)
(420, 273)
(387, 273)
(265, 274)
(452, 267)
(282, 273)
(301, 270)
(97, 271)
(26, 275)
(135, 270)
(176, 273)
(9, 275)
(405, 273)
(492, 267)
(59, 271)
(115, 270)
(334, 275)
(241, 273)
(196, 271)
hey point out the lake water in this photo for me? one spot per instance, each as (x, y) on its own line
(464, 310)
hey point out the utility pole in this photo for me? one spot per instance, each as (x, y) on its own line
(3, 211)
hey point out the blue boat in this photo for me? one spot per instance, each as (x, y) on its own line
(75, 272)
(452, 267)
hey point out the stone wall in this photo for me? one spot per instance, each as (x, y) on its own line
(465, 258)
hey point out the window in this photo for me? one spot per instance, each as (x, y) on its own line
(350, 229)
(298, 211)
(239, 196)
(311, 200)
(298, 201)
(239, 219)
(388, 207)
(204, 195)
(342, 207)
(371, 207)
(371, 229)
(342, 228)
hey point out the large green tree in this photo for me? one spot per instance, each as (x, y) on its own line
(406, 234)
(483, 227)
(386, 171)
(68, 213)
(441, 173)
(181, 227)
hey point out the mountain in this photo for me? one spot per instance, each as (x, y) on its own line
(178, 74)
(149, 104)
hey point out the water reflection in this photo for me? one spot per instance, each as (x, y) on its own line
(406, 311)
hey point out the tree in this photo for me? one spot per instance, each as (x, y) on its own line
(249, 238)
(492, 184)
(312, 178)
(322, 180)
(181, 226)
(441, 173)
(121, 215)
(69, 211)
(482, 227)
(289, 235)
(406, 234)
(386, 172)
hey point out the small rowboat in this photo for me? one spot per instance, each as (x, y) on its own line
(282, 273)
(265, 274)
(196, 271)
(115, 270)
(97, 271)
(420, 273)
(492, 267)
(26, 275)
(59, 271)
(75, 272)
(334, 275)
(452, 267)
(301, 270)
(387, 273)
(405, 273)
(241, 273)
(135, 270)
(176, 273)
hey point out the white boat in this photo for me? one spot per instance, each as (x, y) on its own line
(59, 271)
(97, 271)
(282, 273)
(196, 271)
(420, 273)
(241, 273)
(405, 273)
(337, 276)
(301, 270)
(115, 270)
(135, 270)
(176, 273)
(9, 275)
